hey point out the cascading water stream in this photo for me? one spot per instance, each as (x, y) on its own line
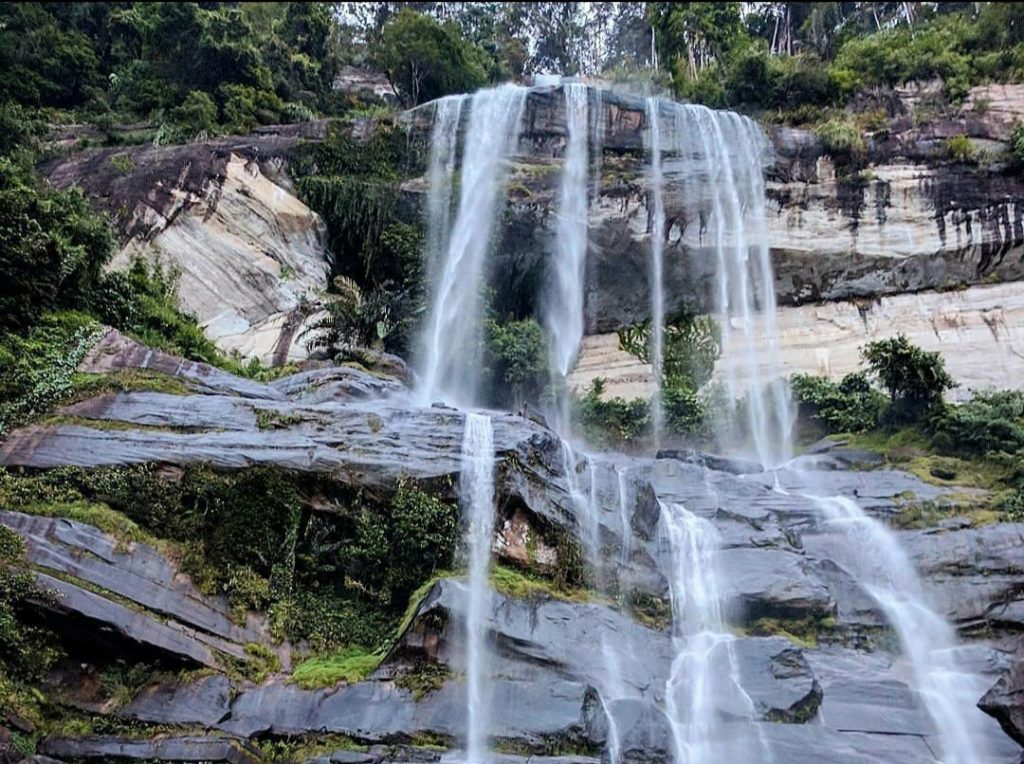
(450, 365)
(444, 137)
(477, 498)
(563, 312)
(870, 553)
(563, 306)
(696, 685)
(657, 225)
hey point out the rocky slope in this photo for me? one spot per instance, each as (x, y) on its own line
(252, 258)
(837, 693)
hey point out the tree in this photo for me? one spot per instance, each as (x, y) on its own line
(914, 378)
(696, 35)
(52, 247)
(425, 60)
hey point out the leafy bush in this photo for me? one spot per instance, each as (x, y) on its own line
(515, 360)
(989, 422)
(842, 139)
(196, 115)
(37, 368)
(850, 406)
(690, 348)
(25, 651)
(612, 422)
(960, 149)
(914, 379)
(52, 247)
(1017, 142)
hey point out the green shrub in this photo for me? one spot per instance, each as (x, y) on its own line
(989, 422)
(614, 422)
(843, 140)
(914, 379)
(1017, 143)
(196, 115)
(37, 368)
(52, 247)
(25, 651)
(850, 406)
(959, 148)
(515, 360)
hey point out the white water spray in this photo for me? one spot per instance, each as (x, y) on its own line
(450, 365)
(477, 497)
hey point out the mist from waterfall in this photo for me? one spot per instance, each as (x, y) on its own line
(477, 499)
(871, 553)
(449, 356)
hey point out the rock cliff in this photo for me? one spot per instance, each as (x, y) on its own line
(252, 258)
(837, 692)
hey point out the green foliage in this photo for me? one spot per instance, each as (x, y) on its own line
(352, 664)
(1017, 143)
(194, 116)
(143, 302)
(525, 586)
(426, 60)
(609, 423)
(852, 405)
(515, 360)
(52, 247)
(398, 546)
(691, 346)
(960, 149)
(914, 379)
(989, 422)
(25, 651)
(423, 678)
(37, 368)
(842, 139)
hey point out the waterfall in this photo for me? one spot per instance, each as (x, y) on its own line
(714, 160)
(870, 552)
(450, 364)
(563, 311)
(443, 141)
(699, 636)
(656, 207)
(477, 498)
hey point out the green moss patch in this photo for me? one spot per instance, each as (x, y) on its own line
(352, 664)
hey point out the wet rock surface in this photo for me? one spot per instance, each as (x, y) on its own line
(834, 689)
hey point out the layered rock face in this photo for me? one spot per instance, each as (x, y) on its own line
(840, 692)
(252, 258)
(912, 241)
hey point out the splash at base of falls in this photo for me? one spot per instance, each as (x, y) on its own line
(477, 498)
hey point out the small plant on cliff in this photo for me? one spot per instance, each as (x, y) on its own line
(960, 149)
(843, 140)
(1017, 143)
